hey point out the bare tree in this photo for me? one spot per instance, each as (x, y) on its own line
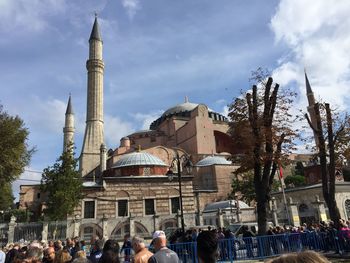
(260, 122)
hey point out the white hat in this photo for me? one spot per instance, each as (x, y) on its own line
(158, 234)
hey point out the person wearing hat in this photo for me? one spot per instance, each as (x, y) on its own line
(163, 254)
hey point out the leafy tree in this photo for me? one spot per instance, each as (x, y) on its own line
(63, 185)
(294, 181)
(15, 152)
(245, 186)
(6, 197)
(261, 122)
(299, 169)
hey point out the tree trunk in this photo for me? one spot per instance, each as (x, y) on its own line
(332, 204)
(261, 212)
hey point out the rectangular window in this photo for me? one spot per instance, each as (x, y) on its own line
(175, 205)
(89, 209)
(122, 208)
(149, 206)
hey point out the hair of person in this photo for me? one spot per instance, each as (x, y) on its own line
(207, 246)
(62, 257)
(80, 254)
(137, 240)
(35, 253)
(109, 256)
(303, 257)
(80, 260)
(111, 244)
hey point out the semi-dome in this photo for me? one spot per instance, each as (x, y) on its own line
(138, 158)
(213, 160)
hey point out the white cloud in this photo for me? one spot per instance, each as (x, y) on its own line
(28, 16)
(115, 129)
(131, 6)
(318, 37)
(147, 118)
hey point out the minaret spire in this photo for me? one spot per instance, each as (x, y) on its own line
(94, 130)
(68, 130)
(310, 108)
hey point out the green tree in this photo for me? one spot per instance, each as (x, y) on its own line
(15, 152)
(294, 181)
(63, 185)
(299, 169)
(261, 122)
(6, 197)
(244, 185)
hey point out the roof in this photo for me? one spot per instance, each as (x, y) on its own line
(227, 204)
(213, 160)
(138, 158)
(183, 107)
(95, 33)
(308, 86)
(69, 106)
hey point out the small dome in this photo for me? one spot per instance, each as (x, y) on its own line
(213, 160)
(138, 158)
(183, 107)
(224, 205)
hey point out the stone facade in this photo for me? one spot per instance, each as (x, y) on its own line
(310, 203)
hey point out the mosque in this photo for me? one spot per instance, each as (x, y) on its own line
(178, 170)
(135, 188)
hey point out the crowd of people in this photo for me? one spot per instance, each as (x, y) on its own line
(211, 245)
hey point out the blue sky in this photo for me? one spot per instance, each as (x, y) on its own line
(156, 52)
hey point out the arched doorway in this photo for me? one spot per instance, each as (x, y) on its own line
(89, 231)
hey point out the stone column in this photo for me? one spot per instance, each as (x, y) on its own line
(132, 226)
(273, 208)
(76, 226)
(45, 231)
(104, 228)
(320, 208)
(220, 218)
(12, 225)
(155, 222)
(178, 218)
(200, 219)
(293, 212)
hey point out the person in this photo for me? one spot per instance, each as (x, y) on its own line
(248, 240)
(110, 252)
(96, 253)
(63, 256)
(303, 257)
(163, 254)
(207, 247)
(34, 254)
(126, 248)
(49, 255)
(142, 254)
(2, 255)
(12, 254)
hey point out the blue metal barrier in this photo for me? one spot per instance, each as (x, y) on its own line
(262, 247)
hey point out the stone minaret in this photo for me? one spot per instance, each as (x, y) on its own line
(310, 108)
(68, 130)
(94, 134)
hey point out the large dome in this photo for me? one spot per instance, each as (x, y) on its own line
(213, 160)
(183, 107)
(138, 158)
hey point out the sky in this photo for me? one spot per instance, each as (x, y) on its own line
(156, 52)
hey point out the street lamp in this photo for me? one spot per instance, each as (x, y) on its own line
(187, 164)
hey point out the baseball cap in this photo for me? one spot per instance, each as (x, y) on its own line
(158, 234)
